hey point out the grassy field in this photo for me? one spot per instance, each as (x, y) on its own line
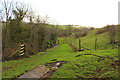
(85, 64)
(17, 67)
(102, 41)
(88, 65)
(88, 41)
(58, 26)
(62, 26)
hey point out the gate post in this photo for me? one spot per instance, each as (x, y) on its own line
(79, 45)
(58, 41)
(95, 43)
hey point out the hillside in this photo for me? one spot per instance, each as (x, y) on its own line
(90, 63)
(88, 41)
(62, 42)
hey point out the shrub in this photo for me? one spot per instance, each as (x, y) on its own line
(91, 28)
(105, 29)
(75, 49)
(100, 31)
(81, 32)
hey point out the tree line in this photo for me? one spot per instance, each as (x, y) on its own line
(20, 24)
(36, 34)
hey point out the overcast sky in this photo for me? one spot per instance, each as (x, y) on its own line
(94, 13)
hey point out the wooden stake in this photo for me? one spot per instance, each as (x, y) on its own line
(95, 43)
(79, 45)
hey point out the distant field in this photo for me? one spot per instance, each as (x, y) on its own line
(85, 64)
(58, 26)
(62, 27)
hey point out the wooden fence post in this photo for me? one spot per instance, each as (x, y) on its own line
(113, 44)
(95, 43)
(79, 44)
(58, 41)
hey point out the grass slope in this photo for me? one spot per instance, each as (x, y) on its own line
(62, 26)
(17, 67)
(85, 66)
(90, 66)
(88, 41)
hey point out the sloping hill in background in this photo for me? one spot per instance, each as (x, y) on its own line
(102, 40)
(88, 41)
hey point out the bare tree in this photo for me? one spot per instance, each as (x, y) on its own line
(1, 10)
(45, 20)
(112, 33)
(30, 15)
(6, 13)
(19, 14)
(7, 9)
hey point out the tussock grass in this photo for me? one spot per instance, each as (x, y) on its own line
(84, 66)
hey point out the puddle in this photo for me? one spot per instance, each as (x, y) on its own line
(57, 64)
(41, 71)
(36, 72)
(54, 66)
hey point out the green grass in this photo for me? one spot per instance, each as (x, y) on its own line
(58, 26)
(64, 40)
(16, 67)
(62, 26)
(88, 41)
(102, 41)
(86, 66)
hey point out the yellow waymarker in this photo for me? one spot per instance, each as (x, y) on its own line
(22, 51)
(21, 54)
